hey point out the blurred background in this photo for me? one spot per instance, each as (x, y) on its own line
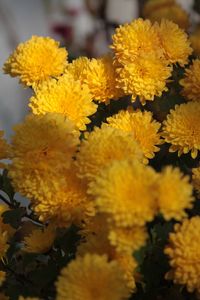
(83, 26)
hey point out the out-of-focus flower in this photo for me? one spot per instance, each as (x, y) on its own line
(195, 41)
(36, 60)
(2, 277)
(3, 244)
(196, 179)
(4, 149)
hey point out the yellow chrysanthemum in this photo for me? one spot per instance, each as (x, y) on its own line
(184, 255)
(36, 60)
(126, 191)
(191, 82)
(174, 41)
(70, 204)
(156, 10)
(2, 277)
(196, 179)
(128, 240)
(91, 277)
(146, 77)
(3, 148)
(132, 40)
(143, 128)
(3, 226)
(65, 96)
(128, 265)
(3, 243)
(102, 146)
(40, 240)
(77, 68)
(181, 128)
(42, 149)
(175, 194)
(195, 41)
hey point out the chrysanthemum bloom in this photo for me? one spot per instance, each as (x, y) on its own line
(3, 148)
(126, 192)
(196, 179)
(65, 96)
(132, 40)
(128, 240)
(40, 240)
(184, 254)
(181, 128)
(91, 277)
(174, 41)
(102, 146)
(70, 204)
(156, 10)
(175, 194)
(191, 82)
(195, 41)
(42, 149)
(36, 60)
(146, 77)
(77, 68)
(142, 126)
(3, 243)
(2, 277)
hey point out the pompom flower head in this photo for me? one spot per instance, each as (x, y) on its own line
(175, 194)
(92, 277)
(42, 149)
(195, 41)
(191, 82)
(102, 146)
(181, 128)
(184, 255)
(126, 192)
(142, 126)
(3, 148)
(196, 179)
(36, 60)
(65, 96)
(40, 241)
(175, 42)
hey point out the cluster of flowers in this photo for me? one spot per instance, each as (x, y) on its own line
(100, 178)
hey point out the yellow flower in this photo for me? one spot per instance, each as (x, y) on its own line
(181, 128)
(175, 42)
(128, 265)
(91, 277)
(101, 147)
(175, 194)
(191, 81)
(128, 240)
(65, 96)
(70, 204)
(156, 10)
(77, 68)
(126, 192)
(143, 128)
(36, 60)
(3, 243)
(2, 278)
(195, 41)
(146, 77)
(196, 179)
(3, 148)
(42, 149)
(184, 255)
(132, 40)
(40, 240)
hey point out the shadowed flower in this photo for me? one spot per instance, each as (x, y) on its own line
(3, 148)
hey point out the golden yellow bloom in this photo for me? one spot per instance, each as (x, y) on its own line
(128, 240)
(3, 244)
(191, 82)
(77, 68)
(2, 277)
(36, 60)
(184, 255)
(196, 179)
(156, 10)
(181, 128)
(3, 148)
(40, 240)
(142, 126)
(65, 96)
(91, 277)
(70, 204)
(128, 265)
(175, 194)
(42, 149)
(146, 77)
(174, 41)
(132, 40)
(101, 147)
(5, 227)
(195, 41)
(126, 192)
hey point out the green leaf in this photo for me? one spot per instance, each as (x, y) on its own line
(14, 216)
